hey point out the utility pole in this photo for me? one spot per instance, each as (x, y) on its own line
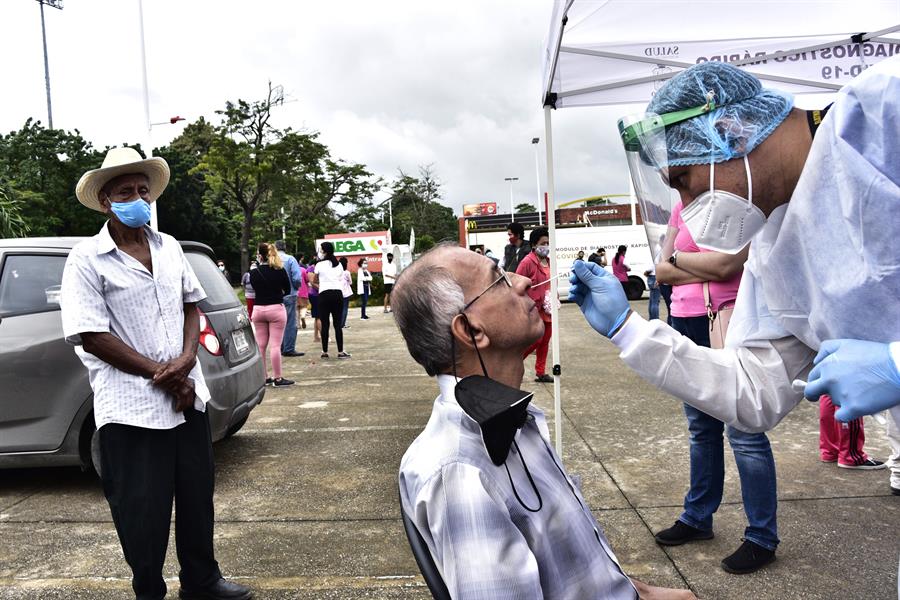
(512, 211)
(537, 173)
(58, 5)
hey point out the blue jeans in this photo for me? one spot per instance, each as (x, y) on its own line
(365, 300)
(289, 341)
(752, 453)
(653, 307)
(344, 312)
(666, 292)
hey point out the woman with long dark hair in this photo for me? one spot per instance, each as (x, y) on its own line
(271, 284)
(328, 276)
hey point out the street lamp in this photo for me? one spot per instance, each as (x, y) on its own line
(537, 174)
(511, 209)
(58, 5)
(154, 220)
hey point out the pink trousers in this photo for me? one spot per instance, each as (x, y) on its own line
(269, 321)
(840, 441)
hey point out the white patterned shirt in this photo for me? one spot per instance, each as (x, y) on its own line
(105, 290)
(485, 544)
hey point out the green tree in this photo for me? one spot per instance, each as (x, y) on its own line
(41, 167)
(12, 224)
(525, 207)
(416, 203)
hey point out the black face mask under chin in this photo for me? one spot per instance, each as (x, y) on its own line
(500, 412)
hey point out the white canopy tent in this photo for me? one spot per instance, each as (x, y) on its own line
(622, 51)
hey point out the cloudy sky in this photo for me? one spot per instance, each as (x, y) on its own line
(391, 84)
(388, 83)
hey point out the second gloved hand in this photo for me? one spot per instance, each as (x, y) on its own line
(600, 296)
(861, 377)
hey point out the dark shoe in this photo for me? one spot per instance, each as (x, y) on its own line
(292, 353)
(544, 378)
(868, 465)
(269, 380)
(324, 355)
(748, 558)
(364, 318)
(681, 533)
(343, 355)
(281, 382)
(220, 590)
(895, 491)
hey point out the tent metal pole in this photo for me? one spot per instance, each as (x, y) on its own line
(554, 291)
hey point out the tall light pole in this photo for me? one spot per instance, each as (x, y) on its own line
(512, 210)
(58, 5)
(537, 175)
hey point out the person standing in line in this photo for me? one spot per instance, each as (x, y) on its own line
(270, 280)
(843, 442)
(292, 267)
(580, 255)
(314, 301)
(536, 267)
(328, 277)
(598, 257)
(363, 286)
(720, 274)
(346, 291)
(303, 292)
(620, 269)
(249, 294)
(129, 307)
(221, 265)
(516, 249)
(389, 273)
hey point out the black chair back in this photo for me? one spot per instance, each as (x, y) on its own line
(423, 558)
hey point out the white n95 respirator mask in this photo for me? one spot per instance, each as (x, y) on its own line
(722, 221)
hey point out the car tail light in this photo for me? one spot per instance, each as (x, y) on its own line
(208, 338)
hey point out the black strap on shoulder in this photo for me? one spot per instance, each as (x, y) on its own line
(814, 118)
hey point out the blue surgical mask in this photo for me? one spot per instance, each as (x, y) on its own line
(134, 214)
(542, 251)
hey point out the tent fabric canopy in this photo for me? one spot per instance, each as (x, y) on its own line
(621, 51)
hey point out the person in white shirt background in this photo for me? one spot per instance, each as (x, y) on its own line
(389, 273)
(129, 305)
(802, 188)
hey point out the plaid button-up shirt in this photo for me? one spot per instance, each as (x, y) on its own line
(485, 544)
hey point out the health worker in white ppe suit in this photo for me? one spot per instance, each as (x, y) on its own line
(819, 300)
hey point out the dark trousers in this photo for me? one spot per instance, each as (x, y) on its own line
(331, 304)
(365, 300)
(143, 470)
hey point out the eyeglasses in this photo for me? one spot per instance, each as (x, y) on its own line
(503, 277)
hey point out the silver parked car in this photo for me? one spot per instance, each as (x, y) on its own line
(46, 404)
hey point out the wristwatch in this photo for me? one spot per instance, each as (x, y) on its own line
(673, 260)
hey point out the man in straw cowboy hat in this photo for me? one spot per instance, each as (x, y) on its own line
(129, 306)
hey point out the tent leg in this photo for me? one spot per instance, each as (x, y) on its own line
(554, 291)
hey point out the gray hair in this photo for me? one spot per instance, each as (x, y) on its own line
(425, 311)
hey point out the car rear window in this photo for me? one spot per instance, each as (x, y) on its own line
(30, 283)
(219, 293)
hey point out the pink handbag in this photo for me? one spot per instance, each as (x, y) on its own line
(718, 318)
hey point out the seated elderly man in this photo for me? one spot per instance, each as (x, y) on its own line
(482, 483)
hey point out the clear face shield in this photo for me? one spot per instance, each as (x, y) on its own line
(644, 138)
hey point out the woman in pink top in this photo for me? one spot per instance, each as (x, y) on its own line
(686, 267)
(620, 269)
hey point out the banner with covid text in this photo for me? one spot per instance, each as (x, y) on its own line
(630, 72)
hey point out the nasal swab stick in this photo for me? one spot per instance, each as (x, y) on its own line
(564, 274)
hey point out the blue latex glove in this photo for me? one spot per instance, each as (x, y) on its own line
(861, 377)
(600, 296)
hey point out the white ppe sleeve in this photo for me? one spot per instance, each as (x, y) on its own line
(748, 387)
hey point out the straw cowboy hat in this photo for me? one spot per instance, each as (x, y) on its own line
(122, 161)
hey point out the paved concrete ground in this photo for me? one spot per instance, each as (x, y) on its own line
(307, 503)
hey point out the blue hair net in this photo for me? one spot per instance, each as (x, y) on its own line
(745, 113)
